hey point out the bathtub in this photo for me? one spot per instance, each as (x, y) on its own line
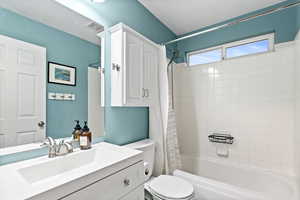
(216, 181)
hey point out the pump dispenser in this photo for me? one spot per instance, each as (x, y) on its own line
(85, 139)
(77, 131)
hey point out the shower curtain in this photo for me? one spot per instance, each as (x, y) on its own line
(172, 159)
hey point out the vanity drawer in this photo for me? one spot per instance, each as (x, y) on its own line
(137, 194)
(112, 187)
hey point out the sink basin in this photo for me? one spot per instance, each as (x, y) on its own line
(63, 175)
(57, 166)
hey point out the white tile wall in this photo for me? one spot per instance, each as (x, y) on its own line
(253, 98)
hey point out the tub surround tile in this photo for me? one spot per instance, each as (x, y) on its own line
(252, 98)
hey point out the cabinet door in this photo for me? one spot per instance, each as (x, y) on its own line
(113, 187)
(117, 69)
(150, 74)
(134, 70)
(137, 194)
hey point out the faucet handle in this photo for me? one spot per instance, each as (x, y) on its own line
(48, 142)
(64, 148)
(51, 141)
(60, 144)
(69, 146)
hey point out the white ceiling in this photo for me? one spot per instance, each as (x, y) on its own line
(184, 16)
(55, 15)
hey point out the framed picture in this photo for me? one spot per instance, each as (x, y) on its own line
(61, 74)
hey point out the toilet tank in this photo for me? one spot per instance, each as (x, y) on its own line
(148, 148)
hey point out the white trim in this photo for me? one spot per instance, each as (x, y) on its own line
(102, 65)
(223, 47)
(276, 47)
(127, 28)
(269, 37)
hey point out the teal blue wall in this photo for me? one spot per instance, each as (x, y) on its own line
(123, 125)
(298, 17)
(283, 23)
(62, 48)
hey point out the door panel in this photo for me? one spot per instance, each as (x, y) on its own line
(2, 82)
(26, 95)
(150, 70)
(26, 137)
(134, 69)
(26, 57)
(2, 54)
(22, 91)
(3, 94)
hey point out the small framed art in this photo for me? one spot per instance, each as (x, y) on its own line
(61, 74)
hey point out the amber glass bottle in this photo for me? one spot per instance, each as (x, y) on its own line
(77, 131)
(85, 139)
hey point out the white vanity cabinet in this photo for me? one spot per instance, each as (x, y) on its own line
(134, 65)
(105, 172)
(125, 184)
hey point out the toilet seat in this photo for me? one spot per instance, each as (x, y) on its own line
(171, 188)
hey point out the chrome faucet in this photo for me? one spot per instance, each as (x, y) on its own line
(56, 149)
(68, 148)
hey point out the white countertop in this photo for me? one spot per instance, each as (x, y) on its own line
(108, 159)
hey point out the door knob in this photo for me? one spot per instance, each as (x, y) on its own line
(41, 124)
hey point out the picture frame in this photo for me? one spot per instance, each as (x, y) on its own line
(61, 74)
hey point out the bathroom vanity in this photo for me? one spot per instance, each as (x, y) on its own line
(105, 172)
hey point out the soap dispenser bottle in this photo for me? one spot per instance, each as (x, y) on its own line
(77, 131)
(85, 140)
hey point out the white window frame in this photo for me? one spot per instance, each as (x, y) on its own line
(224, 47)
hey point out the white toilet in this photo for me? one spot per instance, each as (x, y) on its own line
(164, 187)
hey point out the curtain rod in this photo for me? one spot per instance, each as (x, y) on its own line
(267, 12)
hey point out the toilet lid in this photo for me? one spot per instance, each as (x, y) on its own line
(171, 187)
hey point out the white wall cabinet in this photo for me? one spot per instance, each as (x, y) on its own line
(133, 69)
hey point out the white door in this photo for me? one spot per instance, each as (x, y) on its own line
(22, 92)
(150, 74)
(95, 109)
(134, 70)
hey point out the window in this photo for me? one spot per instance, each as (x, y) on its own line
(205, 57)
(260, 44)
(248, 49)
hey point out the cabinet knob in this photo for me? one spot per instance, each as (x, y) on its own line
(126, 182)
